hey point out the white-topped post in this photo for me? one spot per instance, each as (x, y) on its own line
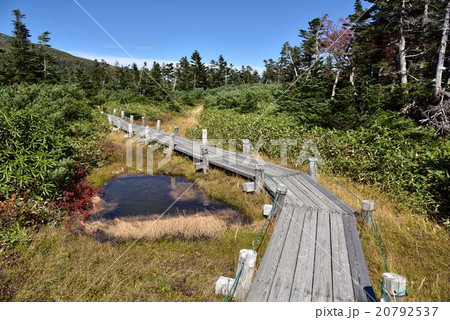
(130, 130)
(246, 147)
(114, 111)
(122, 114)
(176, 130)
(204, 137)
(259, 178)
(247, 258)
(394, 288)
(367, 208)
(313, 168)
(280, 196)
(143, 121)
(205, 161)
(158, 125)
(131, 118)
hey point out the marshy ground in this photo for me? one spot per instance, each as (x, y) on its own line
(178, 260)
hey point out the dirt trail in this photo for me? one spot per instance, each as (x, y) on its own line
(184, 121)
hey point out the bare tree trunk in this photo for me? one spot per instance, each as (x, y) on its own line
(336, 81)
(440, 64)
(45, 68)
(175, 83)
(352, 76)
(293, 65)
(402, 48)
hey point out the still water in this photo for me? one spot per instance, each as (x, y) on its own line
(145, 195)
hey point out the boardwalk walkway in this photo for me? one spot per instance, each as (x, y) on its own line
(314, 253)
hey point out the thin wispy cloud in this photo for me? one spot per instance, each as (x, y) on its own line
(123, 60)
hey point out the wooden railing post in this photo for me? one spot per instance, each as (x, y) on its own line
(280, 196)
(122, 114)
(205, 161)
(114, 111)
(147, 133)
(394, 288)
(246, 147)
(131, 118)
(204, 137)
(259, 178)
(247, 258)
(143, 121)
(367, 208)
(130, 130)
(176, 130)
(171, 146)
(158, 125)
(313, 168)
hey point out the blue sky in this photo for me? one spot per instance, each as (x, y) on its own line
(246, 32)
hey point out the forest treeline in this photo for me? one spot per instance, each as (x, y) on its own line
(371, 88)
(393, 48)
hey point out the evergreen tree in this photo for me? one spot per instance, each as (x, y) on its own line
(289, 62)
(168, 74)
(100, 77)
(21, 63)
(218, 72)
(311, 46)
(156, 90)
(46, 60)
(183, 75)
(198, 71)
(271, 74)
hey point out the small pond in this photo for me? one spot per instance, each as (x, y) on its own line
(145, 195)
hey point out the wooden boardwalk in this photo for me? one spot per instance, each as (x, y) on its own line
(314, 253)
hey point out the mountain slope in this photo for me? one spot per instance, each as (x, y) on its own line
(62, 58)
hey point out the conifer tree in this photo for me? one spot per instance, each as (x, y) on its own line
(21, 62)
(198, 71)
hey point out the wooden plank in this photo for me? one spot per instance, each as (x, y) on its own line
(362, 286)
(262, 284)
(317, 193)
(282, 284)
(342, 279)
(307, 197)
(323, 280)
(330, 195)
(304, 272)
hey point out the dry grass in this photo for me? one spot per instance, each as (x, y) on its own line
(183, 227)
(183, 121)
(58, 266)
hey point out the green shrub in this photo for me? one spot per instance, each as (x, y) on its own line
(403, 159)
(46, 133)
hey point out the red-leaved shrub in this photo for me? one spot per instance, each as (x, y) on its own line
(77, 198)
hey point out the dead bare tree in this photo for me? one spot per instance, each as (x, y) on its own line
(439, 115)
(442, 49)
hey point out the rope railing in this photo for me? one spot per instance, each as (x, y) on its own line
(255, 242)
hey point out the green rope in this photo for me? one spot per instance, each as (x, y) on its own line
(378, 240)
(234, 283)
(386, 296)
(346, 189)
(383, 291)
(253, 246)
(265, 223)
(401, 292)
